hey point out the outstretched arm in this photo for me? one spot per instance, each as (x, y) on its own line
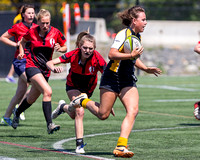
(51, 65)
(151, 70)
(59, 48)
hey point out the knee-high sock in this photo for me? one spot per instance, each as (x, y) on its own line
(47, 111)
(24, 105)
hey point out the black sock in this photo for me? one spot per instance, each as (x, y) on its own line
(24, 105)
(79, 142)
(47, 111)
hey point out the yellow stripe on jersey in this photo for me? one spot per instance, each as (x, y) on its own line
(115, 65)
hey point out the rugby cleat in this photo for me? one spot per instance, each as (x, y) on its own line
(6, 121)
(80, 149)
(52, 127)
(15, 121)
(197, 110)
(123, 152)
(57, 111)
(10, 79)
(77, 101)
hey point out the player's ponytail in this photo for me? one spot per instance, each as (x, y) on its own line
(127, 15)
(85, 36)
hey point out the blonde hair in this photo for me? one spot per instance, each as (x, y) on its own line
(127, 15)
(85, 36)
(43, 13)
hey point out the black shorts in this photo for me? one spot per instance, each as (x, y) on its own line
(30, 72)
(115, 83)
(81, 90)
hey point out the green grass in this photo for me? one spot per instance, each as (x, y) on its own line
(164, 130)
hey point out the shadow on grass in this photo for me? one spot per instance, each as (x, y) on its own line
(189, 124)
(72, 151)
(87, 153)
(13, 136)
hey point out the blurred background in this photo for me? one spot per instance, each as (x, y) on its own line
(172, 31)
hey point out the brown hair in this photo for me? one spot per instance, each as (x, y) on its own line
(43, 13)
(85, 36)
(127, 15)
(24, 8)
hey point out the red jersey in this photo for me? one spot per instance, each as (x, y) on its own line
(18, 31)
(83, 76)
(42, 48)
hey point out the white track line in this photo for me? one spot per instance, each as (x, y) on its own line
(6, 158)
(167, 87)
(176, 100)
(58, 145)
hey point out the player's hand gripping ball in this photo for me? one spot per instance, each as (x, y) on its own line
(131, 43)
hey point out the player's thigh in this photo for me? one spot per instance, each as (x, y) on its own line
(33, 94)
(41, 84)
(129, 96)
(72, 94)
(107, 100)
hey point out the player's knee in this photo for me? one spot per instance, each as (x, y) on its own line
(48, 93)
(103, 116)
(80, 112)
(134, 112)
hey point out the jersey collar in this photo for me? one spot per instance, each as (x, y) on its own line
(133, 33)
(27, 25)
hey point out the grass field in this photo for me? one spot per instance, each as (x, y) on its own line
(165, 128)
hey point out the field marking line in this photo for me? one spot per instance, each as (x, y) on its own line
(166, 114)
(167, 87)
(58, 145)
(7, 158)
(176, 100)
(56, 151)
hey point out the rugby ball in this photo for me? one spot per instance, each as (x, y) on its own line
(131, 43)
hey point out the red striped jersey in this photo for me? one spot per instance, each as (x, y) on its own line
(18, 31)
(42, 48)
(83, 76)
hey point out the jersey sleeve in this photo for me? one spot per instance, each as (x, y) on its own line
(101, 61)
(12, 30)
(61, 39)
(66, 58)
(119, 39)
